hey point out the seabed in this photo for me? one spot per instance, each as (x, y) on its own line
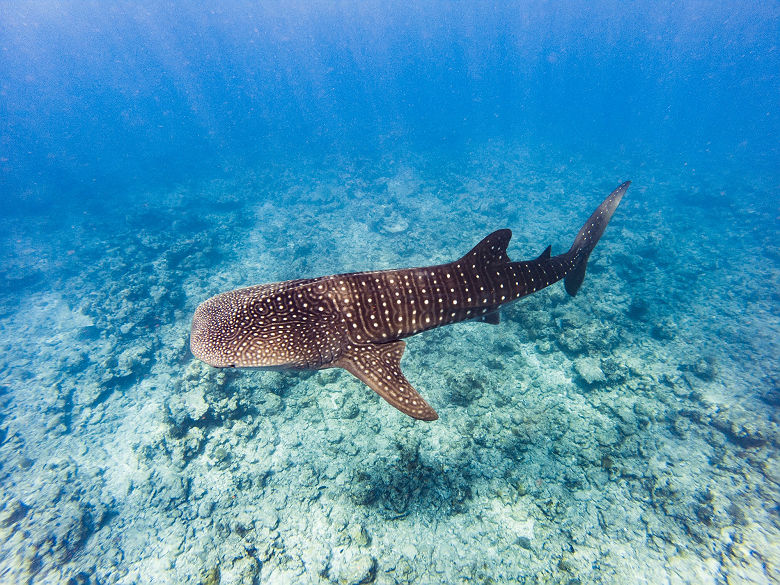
(628, 435)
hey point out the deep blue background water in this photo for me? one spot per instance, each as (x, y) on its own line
(102, 97)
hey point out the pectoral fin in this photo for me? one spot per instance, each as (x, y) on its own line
(379, 367)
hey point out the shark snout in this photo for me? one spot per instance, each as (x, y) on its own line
(207, 335)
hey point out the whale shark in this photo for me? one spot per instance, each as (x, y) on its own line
(358, 321)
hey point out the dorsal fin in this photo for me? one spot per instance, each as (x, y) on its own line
(546, 254)
(491, 250)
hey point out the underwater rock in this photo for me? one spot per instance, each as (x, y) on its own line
(680, 426)
(771, 395)
(90, 393)
(394, 223)
(638, 308)
(362, 490)
(345, 404)
(704, 368)
(157, 292)
(577, 337)
(535, 323)
(243, 523)
(316, 557)
(679, 384)
(192, 442)
(495, 364)
(16, 279)
(544, 346)
(614, 370)
(185, 410)
(131, 361)
(211, 576)
(465, 387)
(358, 535)
(57, 426)
(178, 349)
(328, 376)
(268, 518)
(221, 456)
(574, 478)
(266, 544)
(25, 463)
(243, 570)
(664, 330)
(404, 569)
(85, 577)
(205, 508)
(572, 344)
(72, 362)
(589, 371)
(739, 427)
(628, 421)
(60, 532)
(280, 384)
(13, 511)
(229, 408)
(168, 489)
(358, 571)
(272, 404)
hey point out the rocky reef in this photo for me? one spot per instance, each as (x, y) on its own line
(627, 434)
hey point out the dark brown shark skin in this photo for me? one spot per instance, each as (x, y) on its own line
(356, 321)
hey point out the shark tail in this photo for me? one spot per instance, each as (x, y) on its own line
(588, 237)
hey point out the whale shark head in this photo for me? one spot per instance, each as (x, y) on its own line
(261, 327)
(229, 330)
(214, 335)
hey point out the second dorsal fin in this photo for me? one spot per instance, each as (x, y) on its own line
(546, 254)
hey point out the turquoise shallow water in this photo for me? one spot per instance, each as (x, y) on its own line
(626, 435)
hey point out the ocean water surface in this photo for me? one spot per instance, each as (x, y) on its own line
(155, 154)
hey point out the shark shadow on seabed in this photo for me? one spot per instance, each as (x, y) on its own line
(394, 488)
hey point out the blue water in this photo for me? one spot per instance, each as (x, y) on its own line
(153, 155)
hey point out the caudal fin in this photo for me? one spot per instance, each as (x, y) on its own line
(588, 237)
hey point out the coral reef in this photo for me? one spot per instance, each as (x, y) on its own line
(627, 434)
